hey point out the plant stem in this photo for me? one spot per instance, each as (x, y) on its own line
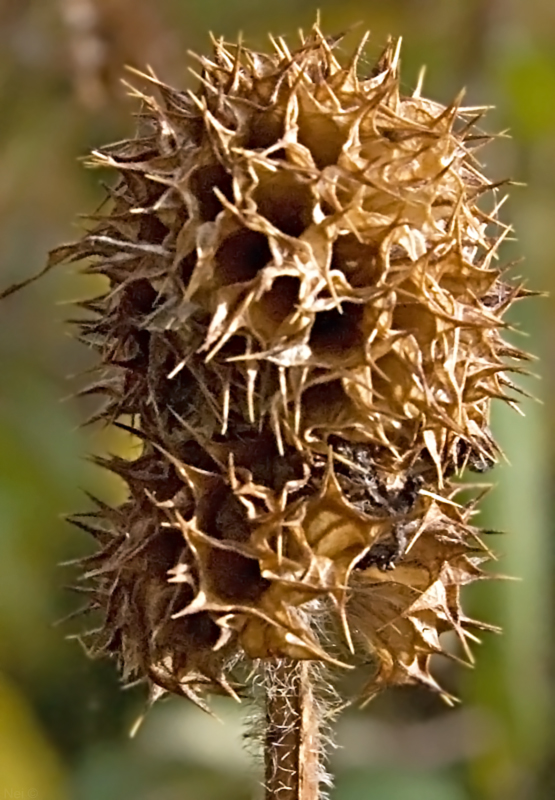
(291, 742)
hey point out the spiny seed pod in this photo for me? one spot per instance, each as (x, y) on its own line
(302, 323)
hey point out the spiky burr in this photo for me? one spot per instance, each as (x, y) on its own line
(302, 324)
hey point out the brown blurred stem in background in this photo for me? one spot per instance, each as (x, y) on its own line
(106, 35)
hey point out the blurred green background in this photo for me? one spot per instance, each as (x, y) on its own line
(64, 721)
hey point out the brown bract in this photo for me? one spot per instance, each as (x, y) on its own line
(302, 321)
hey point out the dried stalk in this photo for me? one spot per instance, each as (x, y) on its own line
(299, 430)
(292, 737)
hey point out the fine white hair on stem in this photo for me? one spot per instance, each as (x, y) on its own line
(290, 729)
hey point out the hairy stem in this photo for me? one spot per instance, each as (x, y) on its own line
(292, 736)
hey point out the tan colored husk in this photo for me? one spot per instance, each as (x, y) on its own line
(303, 322)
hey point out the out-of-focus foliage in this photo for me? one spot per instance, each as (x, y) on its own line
(64, 721)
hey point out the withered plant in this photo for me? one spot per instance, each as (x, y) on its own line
(302, 325)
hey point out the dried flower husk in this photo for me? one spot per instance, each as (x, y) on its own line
(303, 322)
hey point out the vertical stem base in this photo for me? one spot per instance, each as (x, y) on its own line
(291, 743)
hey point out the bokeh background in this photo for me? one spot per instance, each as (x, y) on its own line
(64, 721)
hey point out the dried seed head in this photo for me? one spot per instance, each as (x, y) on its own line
(303, 322)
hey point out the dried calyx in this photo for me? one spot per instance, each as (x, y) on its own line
(302, 326)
